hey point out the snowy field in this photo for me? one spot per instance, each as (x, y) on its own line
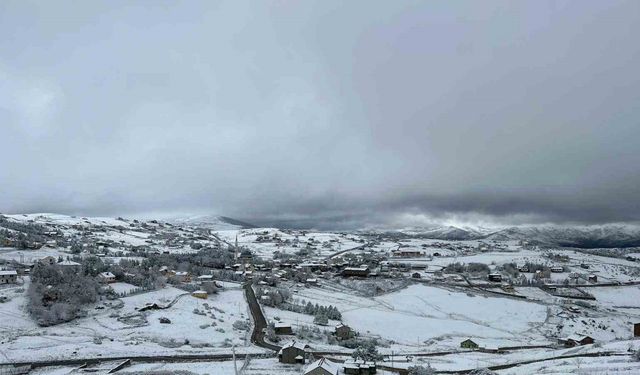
(120, 330)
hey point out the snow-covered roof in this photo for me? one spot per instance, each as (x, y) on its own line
(182, 273)
(205, 277)
(577, 338)
(293, 344)
(281, 325)
(107, 274)
(8, 272)
(199, 292)
(324, 364)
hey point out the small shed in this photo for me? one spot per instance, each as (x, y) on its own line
(469, 344)
(200, 294)
(636, 329)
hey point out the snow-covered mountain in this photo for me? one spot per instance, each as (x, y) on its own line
(586, 236)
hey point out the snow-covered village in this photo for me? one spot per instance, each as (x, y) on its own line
(319, 187)
(106, 295)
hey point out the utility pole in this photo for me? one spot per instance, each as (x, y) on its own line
(235, 366)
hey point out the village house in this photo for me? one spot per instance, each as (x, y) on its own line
(359, 367)
(48, 260)
(592, 278)
(281, 328)
(469, 344)
(322, 367)
(107, 277)
(182, 276)
(557, 269)
(342, 331)
(205, 278)
(572, 341)
(292, 352)
(8, 276)
(495, 277)
(416, 275)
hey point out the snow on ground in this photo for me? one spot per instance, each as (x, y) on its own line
(438, 317)
(120, 330)
(120, 288)
(30, 256)
(423, 313)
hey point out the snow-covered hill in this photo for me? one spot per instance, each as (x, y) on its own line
(212, 222)
(586, 236)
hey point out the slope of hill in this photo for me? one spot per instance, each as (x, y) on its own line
(586, 236)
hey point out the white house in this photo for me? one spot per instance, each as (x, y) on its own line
(8, 276)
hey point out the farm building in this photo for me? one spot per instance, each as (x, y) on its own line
(495, 277)
(8, 277)
(322, 367)
(593, 278)
(283, 328)
(292, 352)
(107, 277)
(469, 344)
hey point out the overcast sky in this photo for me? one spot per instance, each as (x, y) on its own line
(323, 113)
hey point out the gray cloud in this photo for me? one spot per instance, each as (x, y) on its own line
(322, 113)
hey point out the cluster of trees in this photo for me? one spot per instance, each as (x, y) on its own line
(56, 295)
(367, 351)
(330, 312)
(470, 268)
(322, 313)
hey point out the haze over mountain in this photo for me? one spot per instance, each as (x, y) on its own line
(323, 114)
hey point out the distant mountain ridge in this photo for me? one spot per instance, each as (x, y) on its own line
(213, 222)
(587, 236)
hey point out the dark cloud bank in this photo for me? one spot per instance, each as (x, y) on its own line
(323, 113)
